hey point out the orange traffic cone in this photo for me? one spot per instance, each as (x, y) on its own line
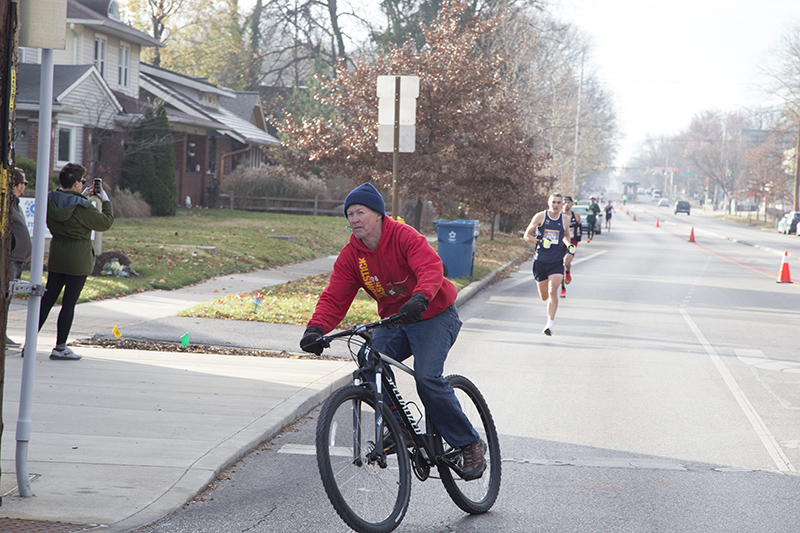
(657, 223)
(634, 217)
(785, 277)
(628, 212)
(691, 236)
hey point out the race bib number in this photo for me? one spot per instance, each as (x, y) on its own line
(551, 235)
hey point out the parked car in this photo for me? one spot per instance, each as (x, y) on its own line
(663, 202)
(682, 206)
(788, 224)
(583, 210)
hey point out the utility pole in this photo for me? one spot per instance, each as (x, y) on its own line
(578, 129)
(8, 27)
(796, 199)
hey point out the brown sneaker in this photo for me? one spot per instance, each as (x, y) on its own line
(473, 460)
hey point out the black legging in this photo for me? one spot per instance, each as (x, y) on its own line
(72, 285)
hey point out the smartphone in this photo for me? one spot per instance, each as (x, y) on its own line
(97, 186)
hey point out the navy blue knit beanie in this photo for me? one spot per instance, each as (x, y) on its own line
(365, 195)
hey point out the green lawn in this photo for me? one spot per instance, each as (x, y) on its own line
(165, 253)
(161, 249)
(293, 302)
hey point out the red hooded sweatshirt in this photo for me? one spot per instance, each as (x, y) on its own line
(403, 264)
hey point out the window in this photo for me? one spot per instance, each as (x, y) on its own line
(113, 11)
(124, 64)
(28, 55)
(66, 145)
(100, 45)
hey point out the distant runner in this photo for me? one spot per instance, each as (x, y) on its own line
(574, 237)
(609, 209)
(591, 217)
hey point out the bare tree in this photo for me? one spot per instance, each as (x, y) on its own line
(159, 18)
(549, 64)
(715, 144)
(301, 37)
(785, 74)
(469, 152)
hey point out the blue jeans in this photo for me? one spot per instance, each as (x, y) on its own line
(429, 341)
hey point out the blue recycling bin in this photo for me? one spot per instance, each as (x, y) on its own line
(457, 243)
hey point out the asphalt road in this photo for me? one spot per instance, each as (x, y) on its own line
(667, 399)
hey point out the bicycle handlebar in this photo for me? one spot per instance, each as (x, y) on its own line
(360, 329)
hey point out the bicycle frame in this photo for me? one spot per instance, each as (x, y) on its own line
(375, 467)
(372, 363)
(371, 373)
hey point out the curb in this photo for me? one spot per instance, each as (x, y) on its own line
(466, 294)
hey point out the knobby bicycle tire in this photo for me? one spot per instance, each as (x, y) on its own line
(368, 497)
(479, 495)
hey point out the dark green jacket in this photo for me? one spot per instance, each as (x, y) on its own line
(71, 217)
(593, 210)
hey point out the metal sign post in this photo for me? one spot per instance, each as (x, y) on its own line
(43, 25)
(397, 109)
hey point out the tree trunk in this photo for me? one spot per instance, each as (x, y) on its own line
(418, 214)
(8, 28)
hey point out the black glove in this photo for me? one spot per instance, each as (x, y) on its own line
(412, 310)
(310, 341)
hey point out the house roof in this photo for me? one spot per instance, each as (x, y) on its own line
(66, 78)
(231, 118)
(95, 13)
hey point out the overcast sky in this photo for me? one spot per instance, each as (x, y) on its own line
(665, 61)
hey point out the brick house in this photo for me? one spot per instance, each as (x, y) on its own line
(101, 90)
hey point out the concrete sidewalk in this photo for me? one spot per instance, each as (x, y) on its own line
(122, 437)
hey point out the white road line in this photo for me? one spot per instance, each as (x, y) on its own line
(773, 448)
(757, 359)
(306, 449)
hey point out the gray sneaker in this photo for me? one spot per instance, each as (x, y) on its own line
(64, 355)
(473, 460)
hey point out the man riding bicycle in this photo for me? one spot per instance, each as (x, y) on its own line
(397, 267)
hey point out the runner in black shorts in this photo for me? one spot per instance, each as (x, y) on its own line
(548, 232)
(574, 238)
(609, 210)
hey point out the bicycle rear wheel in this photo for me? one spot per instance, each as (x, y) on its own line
(476, 496)
(368, 496)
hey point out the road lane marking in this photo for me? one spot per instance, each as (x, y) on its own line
(308, 449)
(756, 358)
(598, 462)
(773, 448)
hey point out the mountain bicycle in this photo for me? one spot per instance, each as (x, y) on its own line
(364, 459)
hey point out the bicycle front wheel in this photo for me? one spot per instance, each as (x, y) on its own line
(476, 496)
(369, 490)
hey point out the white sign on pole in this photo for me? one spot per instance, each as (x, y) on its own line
(408, 138)
(43, 24)
(409, 86)
(408, 111)
(407, 115)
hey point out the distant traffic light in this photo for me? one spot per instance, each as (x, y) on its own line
(663, 171)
